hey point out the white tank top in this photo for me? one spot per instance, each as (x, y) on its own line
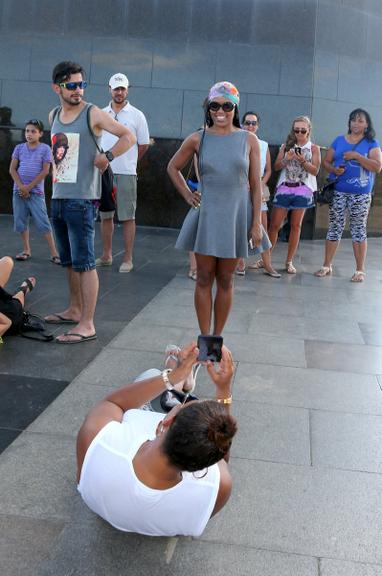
(110, 488)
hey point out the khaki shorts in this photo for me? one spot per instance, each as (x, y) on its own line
(126, 198)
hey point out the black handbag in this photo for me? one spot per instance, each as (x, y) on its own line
(109, 190)
(324, 195)
(34, 327)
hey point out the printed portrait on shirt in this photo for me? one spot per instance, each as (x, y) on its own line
(65, 148)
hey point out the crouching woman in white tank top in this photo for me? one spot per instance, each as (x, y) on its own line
(156, 474)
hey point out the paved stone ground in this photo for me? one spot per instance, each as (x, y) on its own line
(307, 461)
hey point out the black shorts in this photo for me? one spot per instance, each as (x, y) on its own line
(12, 309)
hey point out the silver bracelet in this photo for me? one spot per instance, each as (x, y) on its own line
(166, 380)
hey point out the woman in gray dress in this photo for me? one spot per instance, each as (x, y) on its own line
(222, 217)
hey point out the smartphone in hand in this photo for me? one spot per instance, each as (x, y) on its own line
(210, 348)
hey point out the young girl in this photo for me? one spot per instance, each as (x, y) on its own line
(29, 167)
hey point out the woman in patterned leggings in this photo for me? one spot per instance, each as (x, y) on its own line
(352, 161)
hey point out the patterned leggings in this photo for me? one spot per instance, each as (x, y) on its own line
(358, 206)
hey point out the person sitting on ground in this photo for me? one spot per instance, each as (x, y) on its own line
(156, 474)
(12, 306)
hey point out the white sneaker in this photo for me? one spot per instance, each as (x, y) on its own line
(126, 267)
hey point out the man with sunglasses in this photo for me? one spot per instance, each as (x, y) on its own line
(76, 188)
(125, 171)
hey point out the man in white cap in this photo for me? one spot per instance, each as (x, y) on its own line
(125, 171)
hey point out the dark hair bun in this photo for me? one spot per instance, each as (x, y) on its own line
(221, 431)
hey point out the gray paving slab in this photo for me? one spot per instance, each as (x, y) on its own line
(347, 441)
(309, 388)
(37, 474)
(66, 414)
(371, 333)
(267, 349)
(115, 367)
(87, 547)
(303, 510)
(25, 543)
(146, 337)
(311, 328)
(333, 356)
(274, 433)
(338, 568)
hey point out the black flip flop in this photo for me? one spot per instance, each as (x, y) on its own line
(60, 320)
(81, 338)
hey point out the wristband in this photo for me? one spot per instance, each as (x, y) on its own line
(224, 400)
(166, 380)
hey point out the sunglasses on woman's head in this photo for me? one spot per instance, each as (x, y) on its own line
(73, 85)
(226, 106)
(250, 123)
(36, 123)
(300, 130)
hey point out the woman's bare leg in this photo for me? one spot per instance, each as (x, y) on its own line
(51, 244)
(225, 271)
(295, 232)
(360, 250)
(206, 271)
(277, 219)
(6, 267)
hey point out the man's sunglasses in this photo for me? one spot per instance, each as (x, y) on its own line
(250, 123)
(300, 130)
(73, 85)
(226, 106)
(35, 122)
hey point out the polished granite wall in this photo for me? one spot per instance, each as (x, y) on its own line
(287, 57)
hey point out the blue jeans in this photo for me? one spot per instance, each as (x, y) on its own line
(73, 224)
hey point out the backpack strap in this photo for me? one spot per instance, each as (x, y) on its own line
(55, 111)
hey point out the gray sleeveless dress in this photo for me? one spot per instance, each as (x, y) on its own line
(220, 226)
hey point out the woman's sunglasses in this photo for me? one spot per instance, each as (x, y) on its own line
(73, 85)
(300, 130)
(250, 123)
(226, 106)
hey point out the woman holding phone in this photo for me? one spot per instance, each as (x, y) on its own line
(352, 161)
(223, 217)
(299, 161)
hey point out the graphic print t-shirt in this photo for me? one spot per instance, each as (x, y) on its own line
(65, 146)
(355, 179)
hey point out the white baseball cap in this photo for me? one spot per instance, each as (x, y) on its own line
(118, 80)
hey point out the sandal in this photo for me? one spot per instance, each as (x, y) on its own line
(192, 274)
(27, 285)
(324, 271)
(272, 273)
(290, 268)
(22, 256)
(55, 260)
(172, 352)
(256, 265)
(240, 271)
(358, 276)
